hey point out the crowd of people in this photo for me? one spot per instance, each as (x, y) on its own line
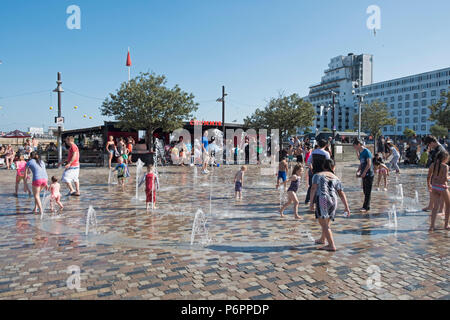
(324, 186)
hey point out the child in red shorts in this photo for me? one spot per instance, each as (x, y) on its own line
(151, 185)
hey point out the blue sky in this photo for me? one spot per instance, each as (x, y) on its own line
(256, 48)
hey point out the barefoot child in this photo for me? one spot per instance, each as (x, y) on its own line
(282, 172)
(439, 188)
(326, 186)
(292, 191)
(55, 195)
(20, 175)
(239, 182)
(382, 170)
(121, 169)
(151, 185)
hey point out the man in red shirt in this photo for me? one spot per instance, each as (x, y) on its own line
(72, 168)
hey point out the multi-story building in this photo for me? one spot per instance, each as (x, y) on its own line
(408, 99)
(342, 73)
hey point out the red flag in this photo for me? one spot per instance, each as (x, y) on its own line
(128, 59)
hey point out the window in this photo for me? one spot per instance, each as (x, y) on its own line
(406, 120)
(416, 103)
(391, 129)
(424, 128)
(400, 105)
(400, 98)
(416, 119)
(392, 99)
(424, 111)
(385, 100)
(424, 103)
(424, 94)
(433, 93)
(399, 129)
(400, 113)
(399, 120)
(407, 97)
(406, 104)
(406, 112)
(433, 101)
(416, 111)
(416, 96)
(392, 106)
(424, 119)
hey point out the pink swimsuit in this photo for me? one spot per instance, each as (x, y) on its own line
(54, 189)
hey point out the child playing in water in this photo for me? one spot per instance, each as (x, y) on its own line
(282, 172)
(439, 188)
(151, 185)
(55, 194)
(20, 175)
(326, 186)
(292, 191)
(121, 169)
(239, 182)
(382, 170)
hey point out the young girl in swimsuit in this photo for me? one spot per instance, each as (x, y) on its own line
(292, 191)
(439, 188)
(382, 170)
(55, 193)
(20, 175)
(325, 189)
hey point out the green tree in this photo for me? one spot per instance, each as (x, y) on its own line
(307, 130)
(440, 111)
(439, 131)
(145, 103)
(409, 133)
(286, 113)
(374, 117)
(326, 129)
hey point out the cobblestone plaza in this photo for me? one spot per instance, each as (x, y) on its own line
(252, 253)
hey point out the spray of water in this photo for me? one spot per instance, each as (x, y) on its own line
(139, 174)
(199, 229)
(91, 220)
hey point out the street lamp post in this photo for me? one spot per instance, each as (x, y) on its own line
(222, 99)
(333, 142)
(59, 90)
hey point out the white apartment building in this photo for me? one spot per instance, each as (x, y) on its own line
(408, 99)
(340, 76)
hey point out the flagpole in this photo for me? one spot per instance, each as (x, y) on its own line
(129, 67)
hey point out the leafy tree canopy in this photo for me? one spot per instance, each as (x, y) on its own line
(374, 117)
(146, 103)
(409, 133)
(286, 113)
(439, 131)
(440, 111)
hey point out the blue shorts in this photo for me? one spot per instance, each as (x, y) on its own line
(238, 186)
(282, 175)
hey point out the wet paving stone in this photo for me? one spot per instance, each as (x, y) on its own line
(253, 254)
